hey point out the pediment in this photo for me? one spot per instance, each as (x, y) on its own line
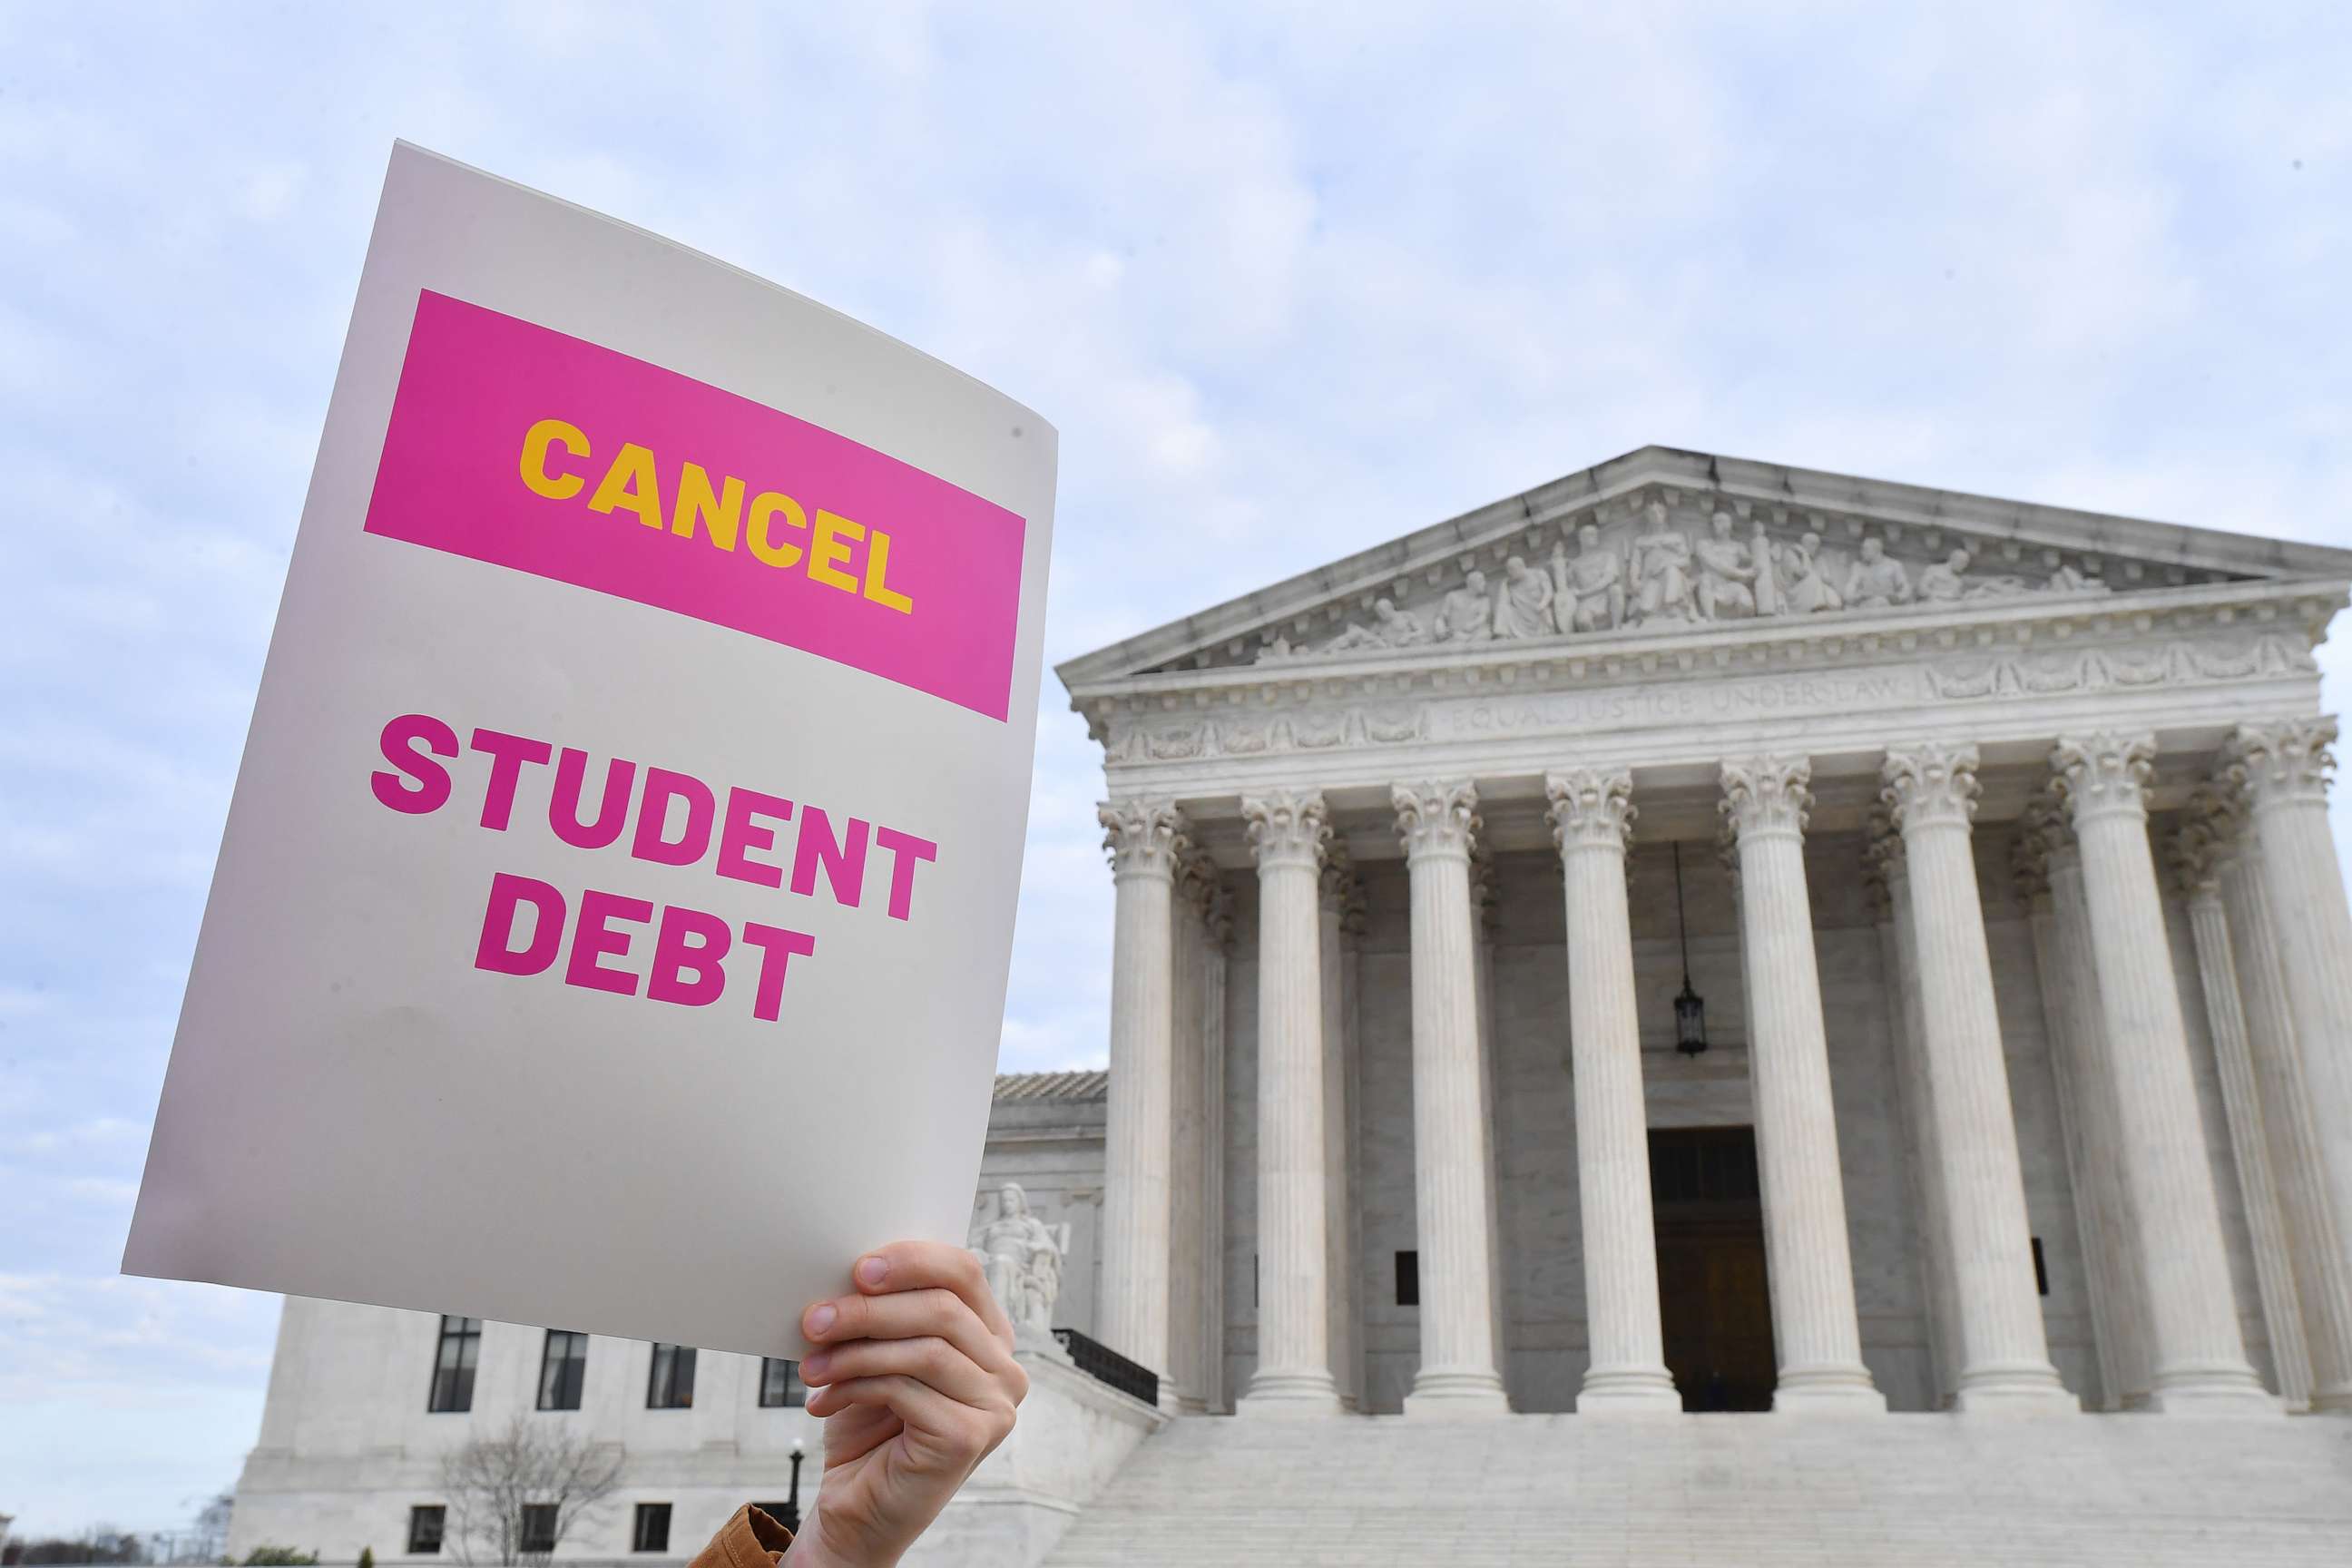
(1663, 541)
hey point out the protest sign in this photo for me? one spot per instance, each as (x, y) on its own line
(612, 922)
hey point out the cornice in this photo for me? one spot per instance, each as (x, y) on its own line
(2296, 610)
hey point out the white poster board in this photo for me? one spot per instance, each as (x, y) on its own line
(611, 923)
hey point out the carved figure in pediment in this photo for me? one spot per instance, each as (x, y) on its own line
(1947, 581)
(1662, 565)
(1590, 589)
(1727, 580)
(1276, 651)
(1944, 582)
(1523, 604)
(1877, 581)
(1804, 587)
(1390, 627)
(1468, 614)
(2068, 580)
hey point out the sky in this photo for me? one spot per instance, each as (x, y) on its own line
(1290, 280)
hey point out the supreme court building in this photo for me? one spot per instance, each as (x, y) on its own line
(2010, 1066)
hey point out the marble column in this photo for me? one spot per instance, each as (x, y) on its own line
(1888, 879)
(2196, 1354)
(1193, 1229)
(1931, 790)
(1806, 1249)
(2281, 768)
(1288, 832)
(1592, 812)
(2199, 850)
(1458, 1372)
(1338, 891)
(2116, 1274)
(2030, 855)
(1145, 839)
(2323, 1269)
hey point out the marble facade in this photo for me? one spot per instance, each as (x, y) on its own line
(2025, 953)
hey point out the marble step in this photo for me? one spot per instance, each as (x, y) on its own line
(1913, 1490)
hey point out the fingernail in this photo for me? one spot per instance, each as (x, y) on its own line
(821, 1317)
(873, 1270)
(814, 1366)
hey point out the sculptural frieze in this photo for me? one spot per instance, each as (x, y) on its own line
(1655, 572)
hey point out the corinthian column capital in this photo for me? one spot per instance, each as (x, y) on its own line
(1592, 808)
(1287, 827)
(1197, 882)
(2282, 761)
(1435, 818)
(1336, 885)
(1142, 837)
(1930, 784)
(2029, 863)
(2103, 774)
(2206, 844)
(1765, 795)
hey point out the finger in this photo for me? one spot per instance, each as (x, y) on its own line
(933, 1264)
(908, 1315)
(857, 1432)
(930, 1360)
(957, 1435)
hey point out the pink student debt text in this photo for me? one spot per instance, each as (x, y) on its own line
(519, 447)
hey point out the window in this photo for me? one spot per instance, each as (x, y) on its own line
(1408, 1273)
(671, 1385)
(425, 1521)
(780, 1384)
(537, 1527)
(563, 1368)
(652, 1531)
(453, 1364)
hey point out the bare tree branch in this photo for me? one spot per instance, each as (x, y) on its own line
(535, 1464)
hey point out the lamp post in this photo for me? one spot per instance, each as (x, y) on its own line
(792, 1519)
(1690, 1007)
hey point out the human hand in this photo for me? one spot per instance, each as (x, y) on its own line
(915, 1375)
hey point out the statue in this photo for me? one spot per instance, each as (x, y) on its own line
(1727, 583)
(2068, 580)
(1391, 627)
(1804, 589)
(1468, 614)
(1523, 604)
(1663, 566)
(1877, 581)
(1943, 583)
(1022, 1256)
(1276, 651)
(1589, 591)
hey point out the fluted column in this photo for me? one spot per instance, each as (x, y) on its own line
(2199, 849)
(1192, 1224)
(1931, 791)
(2281, 768)
(2199, 1358)
(1288, 832)
(1899, 958)
(1592, 812)
(2323, 1269)
(1806, 1249)
(1144, 838)
(1337, 890)
(1458, 1372)
(2117, 1276)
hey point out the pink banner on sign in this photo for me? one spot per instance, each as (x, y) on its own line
(521, 446)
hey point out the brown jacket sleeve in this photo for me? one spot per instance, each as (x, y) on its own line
(748, 1539)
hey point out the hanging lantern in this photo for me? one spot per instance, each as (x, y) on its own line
(1690, 1007)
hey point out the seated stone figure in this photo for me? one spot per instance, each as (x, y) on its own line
(1468, 614)
(1877, 581)
(1589, 590)
(1022, 1256)
(1523, 607)
(1390, 627)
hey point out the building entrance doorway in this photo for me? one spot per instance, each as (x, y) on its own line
(1714, 1299)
